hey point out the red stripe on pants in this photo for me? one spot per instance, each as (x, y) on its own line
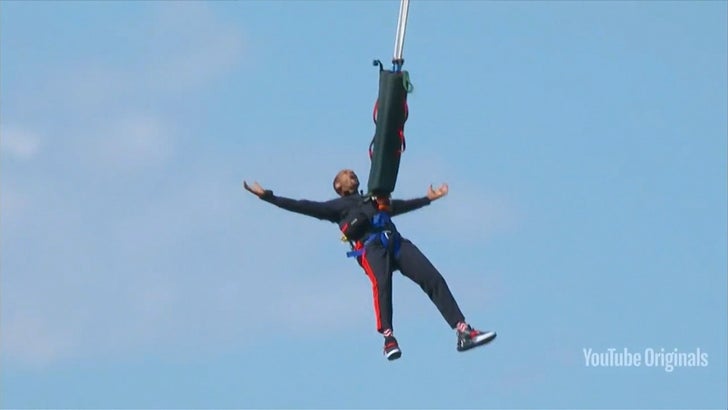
(375, 289)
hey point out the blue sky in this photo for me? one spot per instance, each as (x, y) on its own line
(585, 148)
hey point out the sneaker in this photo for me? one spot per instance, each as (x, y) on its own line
(391, 348)
(473, 338)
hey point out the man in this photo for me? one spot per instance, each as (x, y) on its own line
(380, 250)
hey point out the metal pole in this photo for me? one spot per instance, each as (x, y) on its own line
(401, 26)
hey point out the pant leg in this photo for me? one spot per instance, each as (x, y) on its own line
(415, 265)
(375, 264)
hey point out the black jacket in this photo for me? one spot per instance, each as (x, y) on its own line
(340, 210)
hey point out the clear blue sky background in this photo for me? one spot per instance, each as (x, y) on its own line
(585, 148)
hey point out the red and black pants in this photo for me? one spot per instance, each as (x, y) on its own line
(379, 263)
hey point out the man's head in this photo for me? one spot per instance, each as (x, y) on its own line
(346, 182)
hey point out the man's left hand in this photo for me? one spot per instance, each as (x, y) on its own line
(433, 194)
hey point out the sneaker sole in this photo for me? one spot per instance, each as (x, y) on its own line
(393, 355)
(483, 340)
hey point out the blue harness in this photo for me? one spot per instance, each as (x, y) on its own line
(385, 232)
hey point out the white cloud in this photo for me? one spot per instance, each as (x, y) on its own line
(120, 272)
(136, 279)
(19, 143)
(470, 212)
(190, 46)
(474, 214)
(333, 300)
(35, 338)
(121, 115)
(13, 203)
(185, 47)
(132, 141)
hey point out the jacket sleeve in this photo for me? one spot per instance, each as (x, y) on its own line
(329, 210)
(401, 206)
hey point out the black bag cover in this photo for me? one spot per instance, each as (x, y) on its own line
(388, 139)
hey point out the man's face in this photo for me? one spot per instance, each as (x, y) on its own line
(346, 182)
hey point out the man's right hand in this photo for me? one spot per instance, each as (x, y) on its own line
(256, 189)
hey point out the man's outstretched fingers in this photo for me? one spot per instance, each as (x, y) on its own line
(443, 190)
(255, 189)
(438, 193)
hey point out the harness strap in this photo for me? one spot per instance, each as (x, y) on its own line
(389, 238)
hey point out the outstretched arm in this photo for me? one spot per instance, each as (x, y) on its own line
(328, 210)
(400, 206)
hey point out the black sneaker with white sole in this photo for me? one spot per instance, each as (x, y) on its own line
(473, 338)
(391, 348)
